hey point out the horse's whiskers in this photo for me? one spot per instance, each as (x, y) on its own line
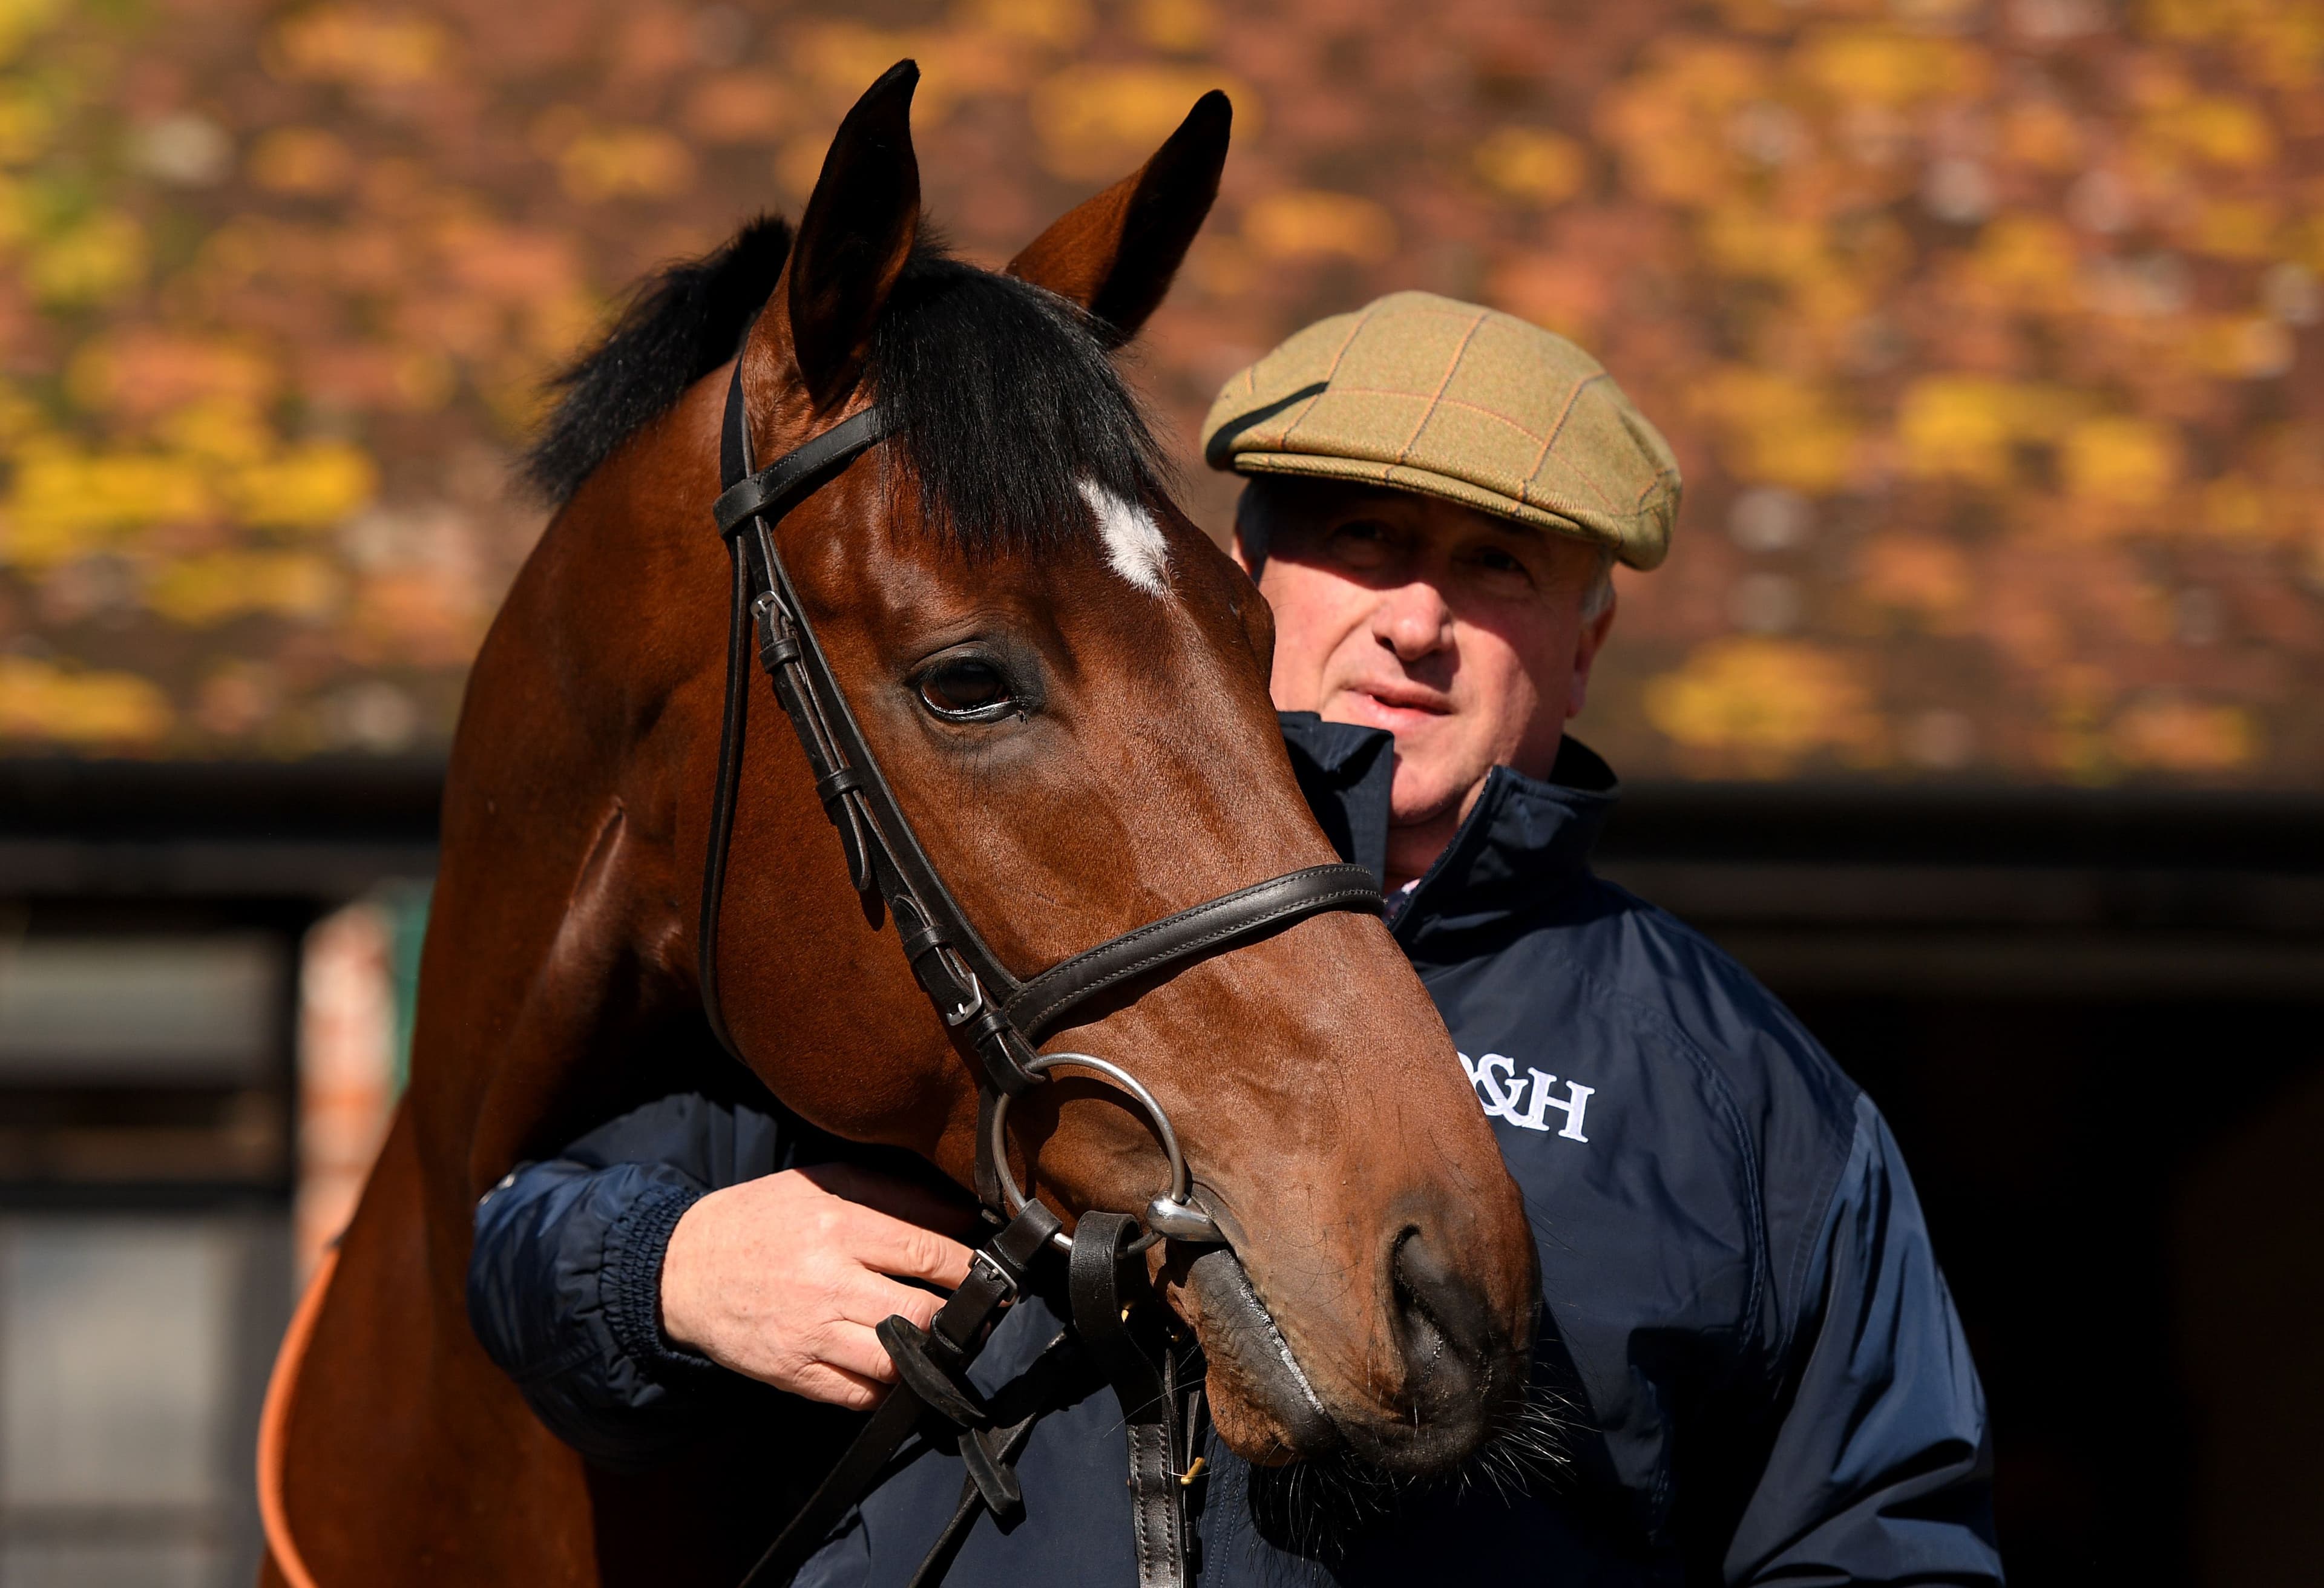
(1321, 1508)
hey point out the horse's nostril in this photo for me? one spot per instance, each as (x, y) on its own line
(1459, 1363)
(1435, 1299)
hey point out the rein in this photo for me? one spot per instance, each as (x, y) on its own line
(1001, 1018)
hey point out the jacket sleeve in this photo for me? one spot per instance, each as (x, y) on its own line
(565, 1278)
(1881, 1466)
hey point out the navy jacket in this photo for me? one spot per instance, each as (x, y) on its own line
(1759, 1372)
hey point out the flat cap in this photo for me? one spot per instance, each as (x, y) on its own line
(1447, 399)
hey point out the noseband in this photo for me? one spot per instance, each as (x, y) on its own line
(999, 1018)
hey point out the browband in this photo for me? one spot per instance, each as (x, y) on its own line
(774, 489)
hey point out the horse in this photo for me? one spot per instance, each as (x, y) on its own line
(1013, 545)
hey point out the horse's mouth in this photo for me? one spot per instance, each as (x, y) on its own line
(1270, 1411)
(1260, 1398)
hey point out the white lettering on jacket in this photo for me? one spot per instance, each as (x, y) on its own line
(1525, 1101)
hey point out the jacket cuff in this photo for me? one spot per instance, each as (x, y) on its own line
(631, 1281)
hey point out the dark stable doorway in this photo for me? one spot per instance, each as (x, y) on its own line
(2127, 1197)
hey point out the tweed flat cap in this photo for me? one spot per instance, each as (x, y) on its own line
(1446, 399)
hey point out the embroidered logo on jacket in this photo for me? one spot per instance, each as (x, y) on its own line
(1525, 1101)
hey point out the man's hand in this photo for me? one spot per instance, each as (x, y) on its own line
(785, 1278)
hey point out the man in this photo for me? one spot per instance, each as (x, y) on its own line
(1748, 1366)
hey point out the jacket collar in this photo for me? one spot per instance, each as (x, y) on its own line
(1525, 843)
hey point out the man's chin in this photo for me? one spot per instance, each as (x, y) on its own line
(1426, 806)
(1434, 770)
(1429, 793)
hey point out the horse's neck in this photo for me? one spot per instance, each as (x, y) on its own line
(546, 961)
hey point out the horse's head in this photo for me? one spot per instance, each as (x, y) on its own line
(1066, 684)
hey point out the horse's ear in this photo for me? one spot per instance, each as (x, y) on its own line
(856, 234)
(1115, 254)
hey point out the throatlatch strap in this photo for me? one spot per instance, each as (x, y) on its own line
(730, 720)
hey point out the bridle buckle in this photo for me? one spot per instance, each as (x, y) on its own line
(975, 1005)
(779, 644)
(983, 1267)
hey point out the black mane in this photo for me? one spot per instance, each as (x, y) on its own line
(681, 324)
(1003, 398)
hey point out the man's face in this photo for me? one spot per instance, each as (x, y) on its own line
(1461, 634)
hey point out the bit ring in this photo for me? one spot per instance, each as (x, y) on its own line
(1170, 1213)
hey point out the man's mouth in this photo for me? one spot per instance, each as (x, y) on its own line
(1394, 706)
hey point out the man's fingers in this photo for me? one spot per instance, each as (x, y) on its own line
(855, 1351)
(890, 1246)
(875, 1300)
(837, 1386)
(897, 1198)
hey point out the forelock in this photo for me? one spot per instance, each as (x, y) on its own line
(1006, 407)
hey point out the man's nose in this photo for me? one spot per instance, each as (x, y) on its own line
(1414, 621)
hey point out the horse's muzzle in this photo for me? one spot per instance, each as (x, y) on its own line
(1456, 1374)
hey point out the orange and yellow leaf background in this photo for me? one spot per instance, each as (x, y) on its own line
(1990, 333)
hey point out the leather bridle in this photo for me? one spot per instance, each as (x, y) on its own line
(999, 1017)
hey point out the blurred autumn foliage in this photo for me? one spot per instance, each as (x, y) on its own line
(1988, 330)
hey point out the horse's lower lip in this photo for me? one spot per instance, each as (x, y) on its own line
(1288, 1420)
(1241, 1338)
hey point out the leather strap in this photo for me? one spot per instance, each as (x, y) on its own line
(1052, 1382)
(1136, 1357)
(732, 721)
(953, 1340)
(960, 974)
(1228, 921)
(774, 490)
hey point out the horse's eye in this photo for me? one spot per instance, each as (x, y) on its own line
(966, 689)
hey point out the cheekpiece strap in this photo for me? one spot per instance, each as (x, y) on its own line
(956, 970)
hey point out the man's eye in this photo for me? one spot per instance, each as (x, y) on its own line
(966, 687)
(1505, 571)
(1361, 543)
